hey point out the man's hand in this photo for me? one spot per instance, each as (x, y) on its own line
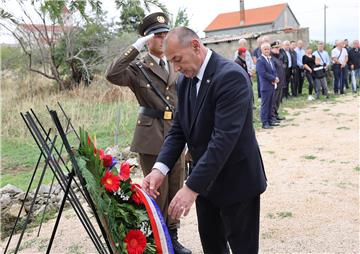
(152, 182)
(182, 202)
(140, 43)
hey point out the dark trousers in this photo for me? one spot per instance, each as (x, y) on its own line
(174, 180)
(236, 224)
(298, 80)
(339, 78)
(258, 85)
(266, 104)
(310, 80)
(288, 79)
(346, 76)
(276, 102)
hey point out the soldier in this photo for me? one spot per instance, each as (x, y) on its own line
(152, 80)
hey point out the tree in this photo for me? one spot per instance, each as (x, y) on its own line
(132, 12)
(181, 18)
(55, 22)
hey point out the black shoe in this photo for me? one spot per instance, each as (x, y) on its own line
(275, 120)
(178, 247)
(280, 118)
(274, 124)
(266, 126)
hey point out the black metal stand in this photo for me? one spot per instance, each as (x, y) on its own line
(48, 153)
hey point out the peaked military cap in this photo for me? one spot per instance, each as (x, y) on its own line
(275, 44)
(153, 23)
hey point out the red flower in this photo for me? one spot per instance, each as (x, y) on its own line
(135, 242)
(110, 181)
(100, 152)
(89, 140)
(124, 171)
(107, 160)
(135, 195)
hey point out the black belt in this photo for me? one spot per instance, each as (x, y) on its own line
(155, 113)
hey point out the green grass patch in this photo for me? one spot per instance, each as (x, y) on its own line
(18, 152)
(343, 128)
(283, 215)
(22, 179)
(270, 215)
(270, 152)
(310, 157)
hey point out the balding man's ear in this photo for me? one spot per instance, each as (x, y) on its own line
(195, 44)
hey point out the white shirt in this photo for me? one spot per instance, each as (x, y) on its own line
(164, 169)
(323, 55)
(289, 58)
(267, 58)
(157, 60)
(336, 53)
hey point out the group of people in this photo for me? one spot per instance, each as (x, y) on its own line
(283, 65)
(192, 98)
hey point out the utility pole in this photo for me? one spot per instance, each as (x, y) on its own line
(325, 24)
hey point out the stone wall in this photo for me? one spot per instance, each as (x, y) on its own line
(227, 45)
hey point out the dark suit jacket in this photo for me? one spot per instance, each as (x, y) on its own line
(149, 132)
(293, 58)
(221, 139)
(267, 74)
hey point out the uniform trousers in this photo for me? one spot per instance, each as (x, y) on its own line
(174, 180)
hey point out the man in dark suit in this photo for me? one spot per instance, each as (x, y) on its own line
(155, 117)
(268, 80)
(214, 117)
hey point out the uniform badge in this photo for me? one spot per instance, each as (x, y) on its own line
(160, 19)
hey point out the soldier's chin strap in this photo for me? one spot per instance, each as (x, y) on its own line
(168, 113)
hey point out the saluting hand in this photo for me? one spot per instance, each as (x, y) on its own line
(140, 43)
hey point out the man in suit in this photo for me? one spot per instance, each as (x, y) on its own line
(290, 67)
(155, 116)
(268, 80)
(214, 118)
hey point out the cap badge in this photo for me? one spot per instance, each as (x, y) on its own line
(160, 19)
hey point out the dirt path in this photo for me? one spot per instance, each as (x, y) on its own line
(312, 201)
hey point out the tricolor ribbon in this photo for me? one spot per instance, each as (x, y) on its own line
(158, 226)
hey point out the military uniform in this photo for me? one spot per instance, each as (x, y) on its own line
(151, 127)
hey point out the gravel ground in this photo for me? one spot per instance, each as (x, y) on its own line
(312, 201)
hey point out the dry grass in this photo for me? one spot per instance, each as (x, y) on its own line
(102, 108)
(21, 93)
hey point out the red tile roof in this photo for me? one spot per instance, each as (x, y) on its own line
(256, 16)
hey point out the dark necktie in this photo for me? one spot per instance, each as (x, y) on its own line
(269, 60)
(162, 65)
(193, 96)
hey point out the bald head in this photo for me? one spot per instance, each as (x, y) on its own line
(184, 49)
(183, 35)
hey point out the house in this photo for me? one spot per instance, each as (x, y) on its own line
(277, 22)
(274, 17)
(46, 34)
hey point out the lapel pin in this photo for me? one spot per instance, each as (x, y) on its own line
(208, 81)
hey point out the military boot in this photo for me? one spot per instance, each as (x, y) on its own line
(178, 247)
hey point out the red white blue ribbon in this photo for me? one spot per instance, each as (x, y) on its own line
(158, 226)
